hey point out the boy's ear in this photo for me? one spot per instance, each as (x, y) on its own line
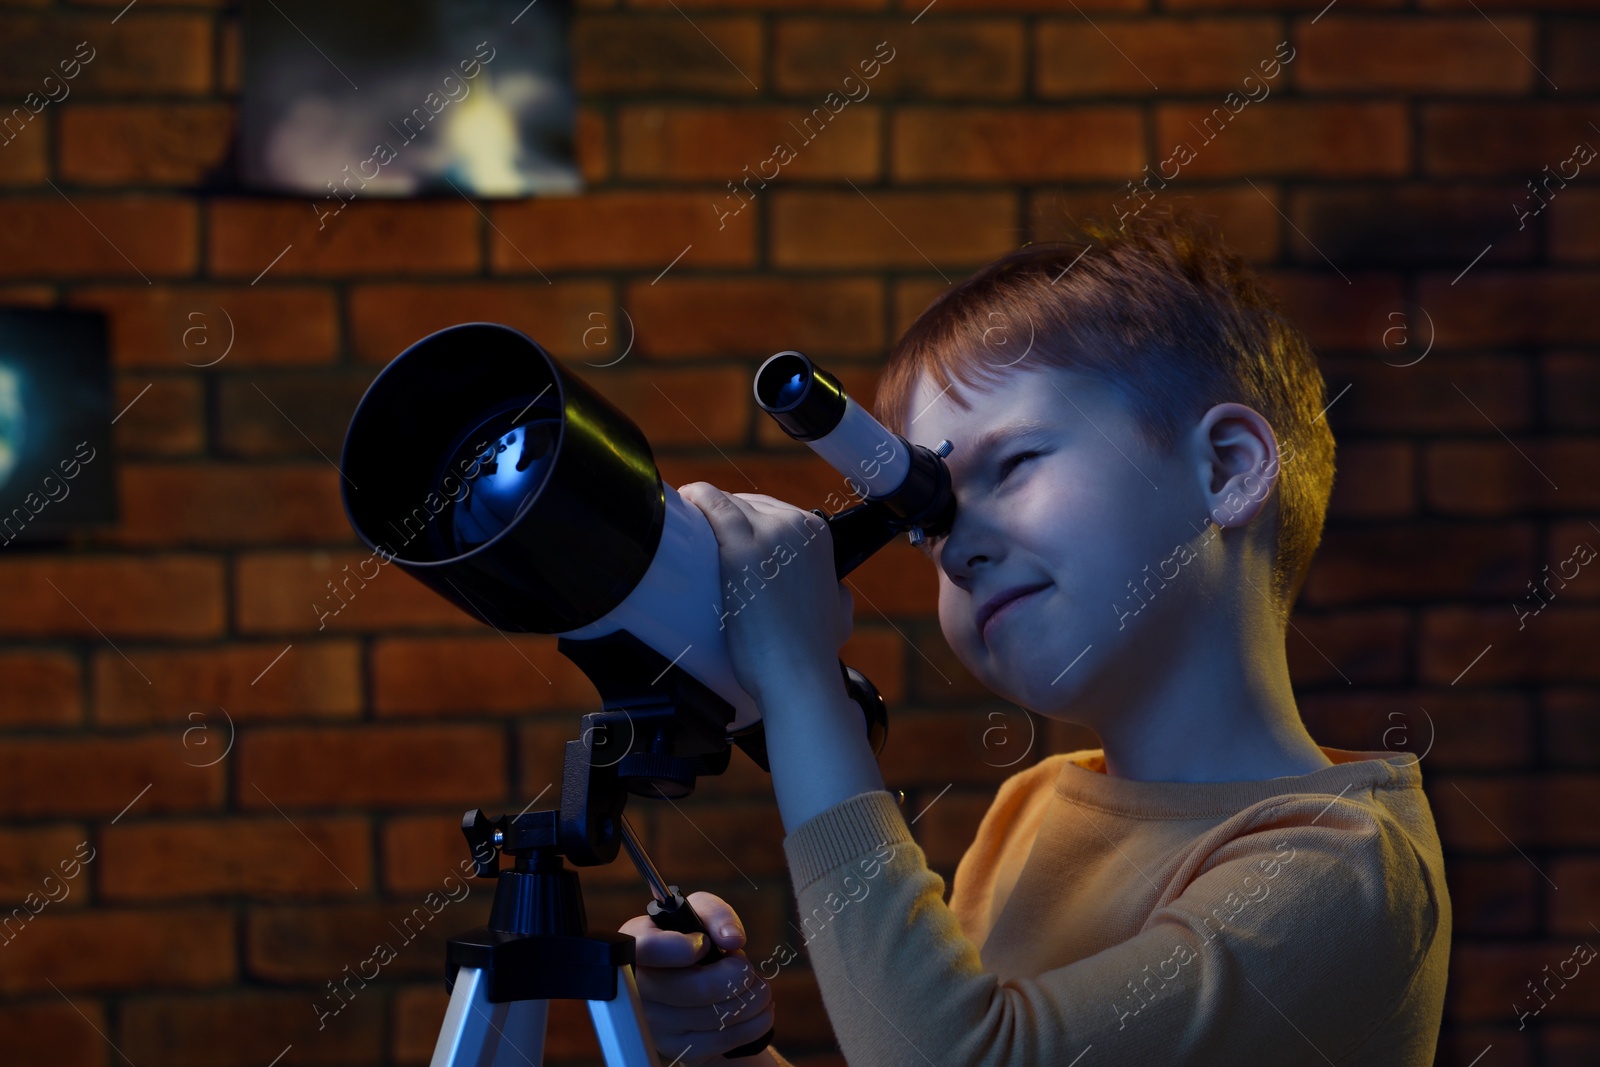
(1238, 462)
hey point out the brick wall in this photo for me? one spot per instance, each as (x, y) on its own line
(1374, 187)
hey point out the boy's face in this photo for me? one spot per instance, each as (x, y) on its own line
(1071, 508)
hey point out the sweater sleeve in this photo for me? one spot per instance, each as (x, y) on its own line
(1287, 944)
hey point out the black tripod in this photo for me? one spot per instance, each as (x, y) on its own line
(660, 729)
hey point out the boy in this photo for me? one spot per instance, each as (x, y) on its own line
(1141, 468)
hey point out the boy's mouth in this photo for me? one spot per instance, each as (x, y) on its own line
(994, 606)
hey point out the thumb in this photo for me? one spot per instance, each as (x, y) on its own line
(717, 915)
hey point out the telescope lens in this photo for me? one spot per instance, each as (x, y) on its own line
(503, 470)
(790, 390)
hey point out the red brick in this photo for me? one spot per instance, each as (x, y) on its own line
(878, 652)
(248, 1029)
(1431, 224)
(1489, 308)
(680, 406)
(1556, 645)
(1247, 222)
(1274, 5)
(897, 581)
(40, 688)
(1551, 810)
(1572, 48)
(1432, 54)
(314, 944)
(1388, 396)
(168, 420)
(999, 145)
(1459, 1043)
(131, 236)
(992, 6)
(759, 5)
(1348, 647)
(278, 592)
(30, 856)
(108, 775)
(743, 316)
(1562, 550)
(1580, 875)
(165, 144)
(1496, 140)
(35, 296)
(376, 766)
(490, 674)
(715, 840)
(1375, 480)
(1493, 478)
(912, 296)
(25, 160)
(1419, 561)
(1490, 982)
(245, 237)
(1075, 58)
(593, 145)
(1285, 138)
(970, 58)
(143, 53)
(229, 504)
(167, 595)
(230, 53)
(1573, 225)
(1569, 1045)
(165, 327)
(1335, 314)
(386, 319)
(946, 825)
(294, 414)
(1494, 896)
(731, 144)
(266, 858)
(53, 1032)
(890, 228)
(646, 230)
(1571, 729)
(120, 950)
(1458, 728)
(667, 54)
(205, 689)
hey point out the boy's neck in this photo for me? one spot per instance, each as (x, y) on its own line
(1222, 711)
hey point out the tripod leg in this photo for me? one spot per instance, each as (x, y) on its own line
(477, 1033)
(620, 1026)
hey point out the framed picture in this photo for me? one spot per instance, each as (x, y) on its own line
(407, 98)
(56, 470)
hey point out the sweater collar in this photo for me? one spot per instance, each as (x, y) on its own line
(1082, 779)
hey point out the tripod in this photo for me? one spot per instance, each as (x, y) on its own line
(537, 946)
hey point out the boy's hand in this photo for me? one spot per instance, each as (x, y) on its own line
(790, 613)
(704, 1010)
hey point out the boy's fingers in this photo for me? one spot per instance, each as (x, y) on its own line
(655, 947)
(688, 987)
(718, 916)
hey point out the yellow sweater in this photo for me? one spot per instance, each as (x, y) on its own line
(1298, 920)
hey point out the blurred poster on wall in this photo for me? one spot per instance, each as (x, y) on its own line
(407, 98)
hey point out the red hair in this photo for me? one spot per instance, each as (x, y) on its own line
(1169, 318)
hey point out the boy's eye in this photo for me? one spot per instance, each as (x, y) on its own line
(1011, 462)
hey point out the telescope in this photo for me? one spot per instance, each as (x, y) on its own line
(487, 471)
